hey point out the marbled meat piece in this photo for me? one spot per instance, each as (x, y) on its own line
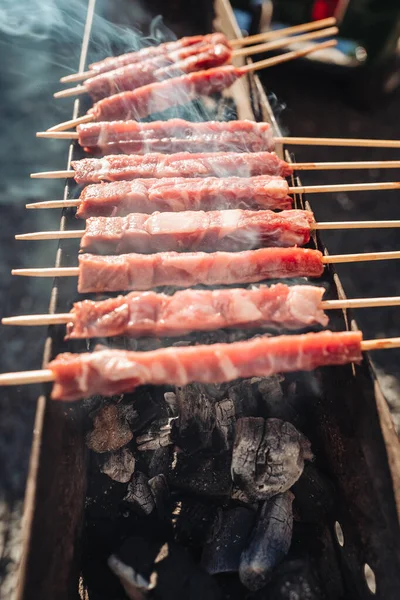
(109, 372)
(230, 230)
(159, 68)
(157, 97)
(176, 194)
(150, 314)
(146, 271)
(182, 164)
(114, 62)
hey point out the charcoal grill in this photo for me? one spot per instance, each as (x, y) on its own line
(347, 422)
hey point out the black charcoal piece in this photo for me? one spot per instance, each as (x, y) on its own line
(139, 494)
(159, 489)
(269, 543)
(201, 474)
(196, 420)
(110, 431)
(157, 436)
(268, 457)
(119, 465)
(228, 538)
(224, 423)
(193, 521)
(160, 461)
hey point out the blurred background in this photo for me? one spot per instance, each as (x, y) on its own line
(352, 91)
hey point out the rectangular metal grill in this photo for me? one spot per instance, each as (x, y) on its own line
(348, 424)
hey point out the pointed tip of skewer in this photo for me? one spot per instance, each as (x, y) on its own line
(75, 77)
(58, 135)
(74, 91)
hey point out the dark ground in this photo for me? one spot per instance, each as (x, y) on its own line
(316, 106)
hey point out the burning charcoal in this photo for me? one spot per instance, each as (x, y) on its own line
(139, 494)
(225, 422)
(157, 436)
(119, 465)
(294, 580)
(202, 474)
(164, 568)
(268, 457)
(196, 419)
(229, 537)
(110, 430)
(193, 521)
(147, 408)
(136, 587)
(159, 489)
(269, 543)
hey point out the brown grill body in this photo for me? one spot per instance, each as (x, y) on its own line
(341, 410)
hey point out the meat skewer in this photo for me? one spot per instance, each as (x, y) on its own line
(231, 230)
(216, 164)
(126, 167)
(144, 272)
(177, 194)
(115, 62)
(174, 195)
(111, 372)
(176, 135)
(150, 314)
(197, 57)
(160, 96)
(166, 136)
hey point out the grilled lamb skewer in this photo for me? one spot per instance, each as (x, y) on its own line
(112, 372)
(168, 137)
(109, 372)
(123, 167)
(143, 272)
(230, 230)
(177, 194)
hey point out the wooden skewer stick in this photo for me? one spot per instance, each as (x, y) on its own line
(277, 33)
(253, 39)
(78, 234)
(58, 135)
(262, 64)
(54, 204)
(301, 141)
(47, 376)
(281, 43)
(351, 142)
(72, 123)
(246, 51)
(327, 260)
(63, 318)
(277, 60)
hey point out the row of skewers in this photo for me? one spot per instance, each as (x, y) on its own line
(224, 180)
